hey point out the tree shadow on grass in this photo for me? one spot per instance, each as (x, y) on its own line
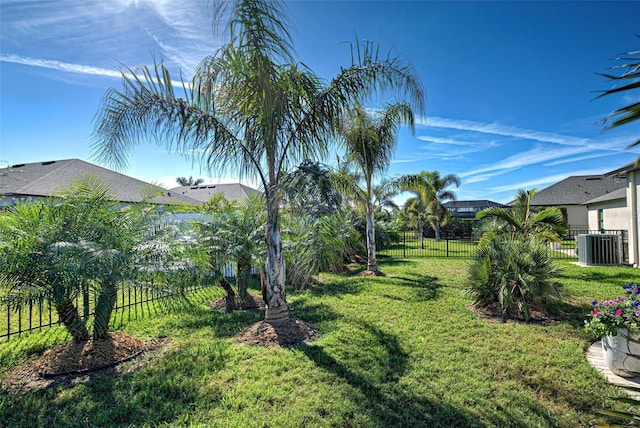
(386, 402)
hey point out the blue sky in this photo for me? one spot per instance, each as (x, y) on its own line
(510, 86)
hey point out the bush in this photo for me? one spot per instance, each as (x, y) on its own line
(320, 245)
(513, 275)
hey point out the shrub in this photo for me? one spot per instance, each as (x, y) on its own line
(320, 245)
(514, 275)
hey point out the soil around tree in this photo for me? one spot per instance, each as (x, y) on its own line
(537, 315)
(371, 273)
(83, 357)
(254, 302)
(288, 333)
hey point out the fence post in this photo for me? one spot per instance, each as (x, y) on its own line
(404, 243)
(447, 247)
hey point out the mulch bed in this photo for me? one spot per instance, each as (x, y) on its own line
(254, 302)
(536, 315)
(84, 357)
(73, 357)
(290, 332)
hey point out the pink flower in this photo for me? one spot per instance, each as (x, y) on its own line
(595, 312)
(619, 311)
(638, 313)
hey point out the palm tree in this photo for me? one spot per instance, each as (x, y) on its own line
(630, 79)
(56, 249)
(370, 142)
(414, 213)
(522, 222)
(230, 232)
(431, 189)
(183, 181)
(252, 108)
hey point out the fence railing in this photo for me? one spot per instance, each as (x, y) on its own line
(130, 302)
(409, 244)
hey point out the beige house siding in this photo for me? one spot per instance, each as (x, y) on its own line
(577, 216)
(614, 215)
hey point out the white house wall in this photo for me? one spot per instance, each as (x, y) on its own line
(614, 215)
(577, 216)
(633, 182)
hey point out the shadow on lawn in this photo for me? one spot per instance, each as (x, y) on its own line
(377, 392)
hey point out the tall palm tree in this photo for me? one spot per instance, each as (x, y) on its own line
(431, 189)
(184, 181)
(370, 142)
(250, 107)
(414, 213)
(522, 222)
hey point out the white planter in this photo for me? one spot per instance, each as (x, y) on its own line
(622, 353)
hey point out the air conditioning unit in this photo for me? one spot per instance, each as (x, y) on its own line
(599, 249)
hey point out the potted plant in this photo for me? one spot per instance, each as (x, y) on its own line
(617, 322)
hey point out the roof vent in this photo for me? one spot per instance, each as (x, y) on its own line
(48, 162)
(19, 165)
(594, 178)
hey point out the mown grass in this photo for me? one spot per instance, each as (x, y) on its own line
(402, 350)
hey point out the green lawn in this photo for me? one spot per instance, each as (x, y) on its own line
(402, 350)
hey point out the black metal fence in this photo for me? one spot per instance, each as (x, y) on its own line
(132, 301)
(410, 244)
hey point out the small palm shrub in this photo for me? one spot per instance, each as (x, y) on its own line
(320, 245)
(513, 275)
(60, 248)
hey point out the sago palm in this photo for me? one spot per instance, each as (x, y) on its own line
(249, 108)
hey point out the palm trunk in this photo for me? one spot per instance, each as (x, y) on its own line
(421, 231)
(372, 263)
(231, 295)
(277, 310)
(244, 273)
(104, 309)
(70, 318)
(437, 229)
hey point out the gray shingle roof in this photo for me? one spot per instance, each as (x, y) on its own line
(577, 190)
(204, 192)
(46, 179)
(611, 196)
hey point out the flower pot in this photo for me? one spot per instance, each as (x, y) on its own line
(622, 353)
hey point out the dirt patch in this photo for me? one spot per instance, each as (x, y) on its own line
(537, 315)
(254, 302)
(290, 332)
(371, 273)
(83, 357)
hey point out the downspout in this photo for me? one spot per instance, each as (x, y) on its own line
(634, 217)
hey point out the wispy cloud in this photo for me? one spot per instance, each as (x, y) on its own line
(58, 65)
(506, 131)
(71, 68)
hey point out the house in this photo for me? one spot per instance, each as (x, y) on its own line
(468, 209)
(609, 211)
(30, 181)
(629, 215)
(204, 192)
(572, 194)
